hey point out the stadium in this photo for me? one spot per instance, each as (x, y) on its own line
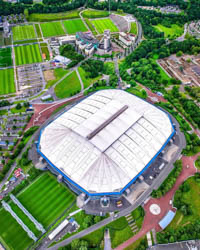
(103, 144)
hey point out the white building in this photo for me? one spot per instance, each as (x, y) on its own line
(127, 39)
(61, 59)
(104, 143)
(67, 39)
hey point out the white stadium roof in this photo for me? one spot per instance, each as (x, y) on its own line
(105, 141)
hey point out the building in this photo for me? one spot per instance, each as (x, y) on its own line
(61, 59)
(86, 42)
(67, 39)
(127, 39)
(104, 143)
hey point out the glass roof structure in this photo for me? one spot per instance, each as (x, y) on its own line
(103, 143)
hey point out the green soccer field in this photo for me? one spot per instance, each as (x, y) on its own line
(104, 24)
(52, 29)
(27, 54)
(5, 57)
(69, 86)
(23, 32)
(73, 26)
(7, 84)
(46, 199)
(12, 234)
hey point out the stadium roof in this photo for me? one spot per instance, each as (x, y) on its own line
(106, 141)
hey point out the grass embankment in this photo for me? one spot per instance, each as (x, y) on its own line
(173, 32)
(95, 14)
(69, 86)
(36, 17)
(133, 29)
(38, 31)
(138, 91)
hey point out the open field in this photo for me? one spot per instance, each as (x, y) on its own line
(12, 234)
(87, 81)
(58, 74)
(27, 54)
(95, 13)
(52, 29)
(68, 87)
(172, 32)
(6, 57)
(7, 84)
(103, 24)
(73, 26)
(23, 32)
(133, 29)
(46, 199)
(53, 16)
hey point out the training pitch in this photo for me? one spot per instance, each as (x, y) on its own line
(23, 32)
(5, 57)
(7, 85)
(73, 26)
(52, 29)
(27, 54)
(104, 24)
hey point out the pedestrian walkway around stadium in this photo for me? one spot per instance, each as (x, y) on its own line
(152, 220)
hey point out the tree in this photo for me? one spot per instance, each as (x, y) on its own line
(18, 106)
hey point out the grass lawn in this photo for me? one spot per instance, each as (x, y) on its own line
(45, 50)
(87, 81)
(52, 29)
(25, 41)
(58, 74)
(136, 244)
(90, 26)
(103, 24)
(191, 197)
(95, 13)
(138, 92)
(37, 28)
(15, 111)
(6, 57)
(7, 84)
(27, 54)
(46, 199)
(23, 32)
(12, 234)
(69, 86)
(172, 32)
(119, 231)
(73, 26)
(133, 29)
(138, 215)
(54, 16)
